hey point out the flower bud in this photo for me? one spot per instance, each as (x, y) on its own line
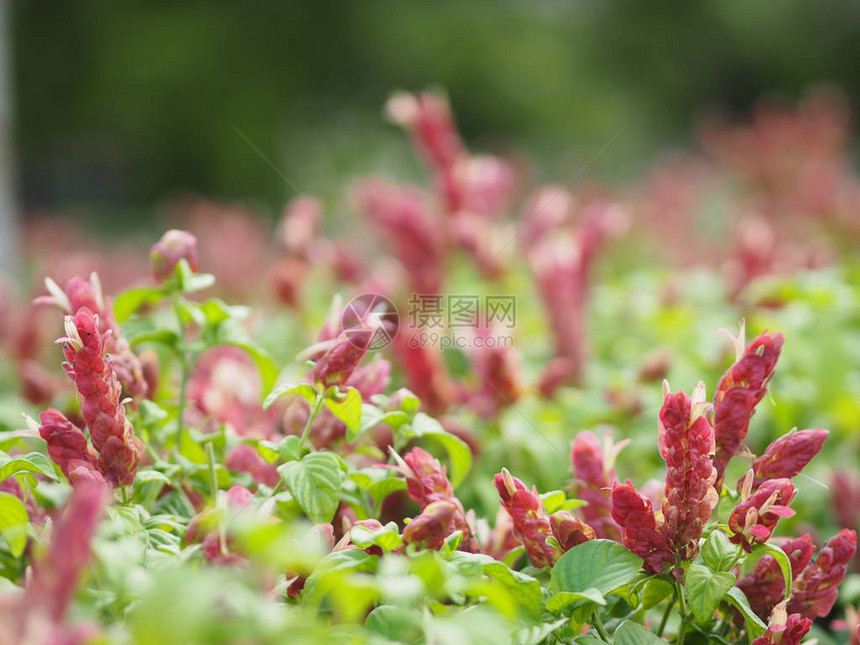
(173, 246)
(569, 531)
(783, 629)
(436, 522)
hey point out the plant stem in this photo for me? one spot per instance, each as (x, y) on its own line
(213, 478)
(183, 383)
(666, 613)
(315, 410)
(598, 625)
(682, 606)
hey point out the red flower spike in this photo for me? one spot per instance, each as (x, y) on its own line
(173, 246)
(764, 587)
(97, 384)
(245, 459)
(686, 441)
(56, 575)
(67, 444)
(755, 517)
(846, 499)
(80, 294)
(436, 522)
(738, 393)
(787, 456)
(531, 524)
(817, 586)
(640, 531)
(594, 475)
(426, 479)
(569, 531)
(416, 238)
(338, 363)
(428, 119)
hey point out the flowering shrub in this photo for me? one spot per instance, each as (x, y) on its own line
(217, 473)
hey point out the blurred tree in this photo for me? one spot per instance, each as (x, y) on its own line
(122, 103)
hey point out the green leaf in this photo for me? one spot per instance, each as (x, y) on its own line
(314, 483)
(755, 626)
(307, 392)
(34, 462)
(718, 553)
(458, 452)
(232, 332)
(394, 623)
(216, 311)
(128, 302)
(384, 487)
(562, 599)
(705, 589)
(388, 537)
(553, 500)
(630, 633)
(347, 408)
(656, 590)
(13, 522)
(523, 589)
(162, 336)
(603, 565)
(781, 558)
(372, 416)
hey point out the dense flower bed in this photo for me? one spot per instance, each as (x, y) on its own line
(476, 449)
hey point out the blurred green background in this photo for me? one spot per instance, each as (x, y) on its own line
(119, 105)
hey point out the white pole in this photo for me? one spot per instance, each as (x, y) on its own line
(9, 233)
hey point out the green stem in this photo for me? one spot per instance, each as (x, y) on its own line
(315, 410)
(183, 383)
(682, 606)
(213, 477)
(666, 613)
(124, 494)
(598, 626)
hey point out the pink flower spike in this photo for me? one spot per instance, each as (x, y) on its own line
(89, 368)
(67, 445)
(531, 524)
(764, 587)
(594, 475)
(56, 575)
(686, 440)
(816, 588)
(426, 479)
(640, 531)
(787, 456)
(738, 393)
